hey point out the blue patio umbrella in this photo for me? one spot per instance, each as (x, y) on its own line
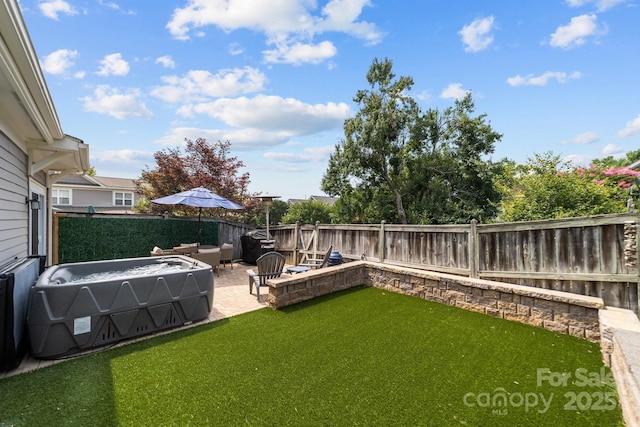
(199, 198)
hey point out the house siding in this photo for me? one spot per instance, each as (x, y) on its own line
(93, 197)
(14, 215)
(85, 192)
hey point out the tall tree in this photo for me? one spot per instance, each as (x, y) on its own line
(430, 166)
(373, 151)
(199, 164)
(308, 212)
(277, 210)
(451, 182)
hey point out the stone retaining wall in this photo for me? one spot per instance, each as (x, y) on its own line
(305, 286)
(556, 311)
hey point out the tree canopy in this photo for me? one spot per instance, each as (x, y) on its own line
(546, 187)
(308, 212)
(276, 211)
(400, 164)
(199, 164)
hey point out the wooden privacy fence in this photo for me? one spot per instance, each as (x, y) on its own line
(594, 256)
(229, 232)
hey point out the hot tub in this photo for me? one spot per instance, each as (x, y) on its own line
(75, 307)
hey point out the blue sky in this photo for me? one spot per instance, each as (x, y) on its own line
(277, 78)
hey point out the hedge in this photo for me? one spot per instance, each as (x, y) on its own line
(92, 238)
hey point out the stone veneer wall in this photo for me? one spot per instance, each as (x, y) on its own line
(561, 312)
(305, 286)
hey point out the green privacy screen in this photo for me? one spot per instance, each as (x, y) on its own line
(92, 238)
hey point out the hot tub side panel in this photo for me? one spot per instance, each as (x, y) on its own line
(68, 318)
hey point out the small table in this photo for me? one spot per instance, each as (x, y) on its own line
(297, 269)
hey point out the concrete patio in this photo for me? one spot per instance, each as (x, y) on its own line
(230, 298)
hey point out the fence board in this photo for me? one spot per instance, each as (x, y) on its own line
(580, 255)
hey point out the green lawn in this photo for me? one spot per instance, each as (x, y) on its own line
(360, 357)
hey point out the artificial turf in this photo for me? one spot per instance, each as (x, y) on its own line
(359, 357)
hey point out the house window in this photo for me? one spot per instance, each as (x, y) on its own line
(123, 199)
(61, 197)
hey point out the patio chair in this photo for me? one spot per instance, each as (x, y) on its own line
(156, 251)
(208, 256)
(186, 248)
(270, 266)
(316, 263)
(227, 255)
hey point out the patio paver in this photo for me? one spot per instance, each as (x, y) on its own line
(230, 298)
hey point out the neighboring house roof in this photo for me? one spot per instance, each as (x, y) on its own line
(124, 183)
(635, 165)
(76, 180)
(98, 181)
(324, 199)
(294, 201)
(26, 107)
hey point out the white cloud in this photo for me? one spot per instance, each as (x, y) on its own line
(261, 122)
(166, 61)
(579, 159)
(115, 6)
(309, 154)
(287, 116)
(584, 138)
(52, 8)
(110, 101)
(59, 61)
(477, 35)
(113, 65)
(300, 53)
(235, 49)
(199, 85)
(241, 139)
(424, 96)
(576, 32)
(120, 156)
(289, 25)
(632, 128)
(601, 5)
(454, 91)
(342, 16)
(543, 79)
(611, 149)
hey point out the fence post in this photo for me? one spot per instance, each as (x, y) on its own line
(55, 237)
(631, 235)
(296, 238)
(637, 270)
(315, 240)
(473, 249)
(381, 242)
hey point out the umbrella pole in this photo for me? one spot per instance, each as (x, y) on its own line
(199, 227)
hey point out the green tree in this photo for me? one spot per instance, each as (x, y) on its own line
(545, 187)
(429, 166)
(373, 151)
(450, 181)
(611, 162)
(364, 205)
(308, 212)
(198, 164)
(276, 211)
